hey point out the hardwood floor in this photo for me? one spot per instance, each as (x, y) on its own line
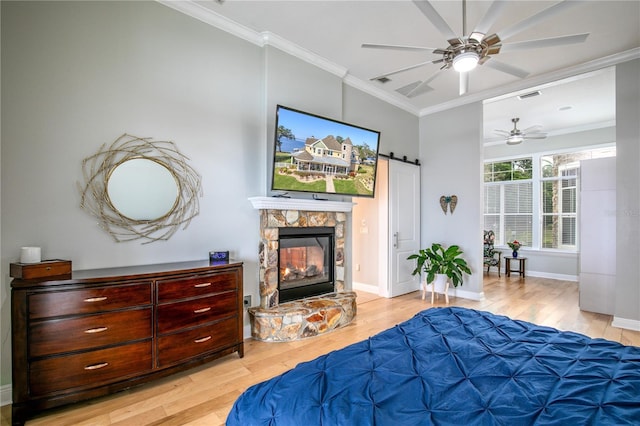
(204, 396)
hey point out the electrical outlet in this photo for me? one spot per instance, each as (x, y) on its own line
(247, 301)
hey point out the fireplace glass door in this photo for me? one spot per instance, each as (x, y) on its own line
(305, 262)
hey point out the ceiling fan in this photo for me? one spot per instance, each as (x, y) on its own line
(466, 52)
(517, 136)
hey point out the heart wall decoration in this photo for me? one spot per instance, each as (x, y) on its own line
(449, 201)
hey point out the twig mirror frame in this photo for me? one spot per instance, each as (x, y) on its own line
(97, 169)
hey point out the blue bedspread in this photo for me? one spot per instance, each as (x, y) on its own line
(455, 366)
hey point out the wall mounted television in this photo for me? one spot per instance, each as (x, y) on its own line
(323, 156)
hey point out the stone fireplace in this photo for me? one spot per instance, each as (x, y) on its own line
(317, 301)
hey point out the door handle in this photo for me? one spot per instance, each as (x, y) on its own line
(395, 240)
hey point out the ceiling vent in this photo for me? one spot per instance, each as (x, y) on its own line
(530, 95)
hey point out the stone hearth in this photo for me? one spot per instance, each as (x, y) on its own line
(298, 319)
(304, 318)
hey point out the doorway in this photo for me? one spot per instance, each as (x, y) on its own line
(386, 229)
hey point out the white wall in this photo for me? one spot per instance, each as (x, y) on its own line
(450, 153)
(627, 307)
(598, 235)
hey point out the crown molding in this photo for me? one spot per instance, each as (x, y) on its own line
(208, 16)
(293, 49)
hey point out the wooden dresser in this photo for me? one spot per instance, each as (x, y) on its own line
(100, 331)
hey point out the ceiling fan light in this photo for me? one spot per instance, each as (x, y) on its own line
(465, 61)
(514, 140)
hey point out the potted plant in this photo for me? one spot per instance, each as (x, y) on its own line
(440, 264)
(515, 246)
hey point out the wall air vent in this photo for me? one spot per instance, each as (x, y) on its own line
(530, 95)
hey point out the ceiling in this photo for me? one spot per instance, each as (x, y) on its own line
(336, 29)
(573, 104)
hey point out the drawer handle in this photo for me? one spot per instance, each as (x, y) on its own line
(96, 330)
(202, 339)
(199, 311)
(202, 285)
(96, 366)
(95, 299)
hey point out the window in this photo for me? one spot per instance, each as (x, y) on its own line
(508, 200)
(559, 201)
(535, 200)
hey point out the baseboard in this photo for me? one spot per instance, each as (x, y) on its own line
(464, 294)
(369, 288)
(5, 395)
(562, 277)
(628, 324)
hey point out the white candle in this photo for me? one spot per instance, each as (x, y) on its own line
(30, 255)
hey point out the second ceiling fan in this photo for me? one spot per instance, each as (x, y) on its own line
(466, 52)
(516, 136)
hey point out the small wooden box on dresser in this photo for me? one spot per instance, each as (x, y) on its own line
(96, 332)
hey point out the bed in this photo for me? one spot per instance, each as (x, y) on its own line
(455, 366)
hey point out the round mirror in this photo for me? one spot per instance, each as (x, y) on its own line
(142, 189)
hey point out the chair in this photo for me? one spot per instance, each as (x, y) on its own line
(490, 253)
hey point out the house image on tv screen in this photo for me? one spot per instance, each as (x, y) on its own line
(329, 155)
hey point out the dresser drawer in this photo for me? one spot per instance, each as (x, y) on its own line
(178, 347)
(91, 368)
(92, 331)
(194, 286)
(174, 316)
(88, 300)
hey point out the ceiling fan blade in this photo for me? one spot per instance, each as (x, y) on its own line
(509, 69)
(419, 88)
(502, 132)
(535, 136)
(533, 129)
(432, 15)
(464, 83)
(395, 47)
(535, 19)
(489, 18)
(545, 42)
(404, 69)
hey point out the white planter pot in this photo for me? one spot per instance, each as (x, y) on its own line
(439, 285)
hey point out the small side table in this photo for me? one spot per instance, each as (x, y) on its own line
(521, 265)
